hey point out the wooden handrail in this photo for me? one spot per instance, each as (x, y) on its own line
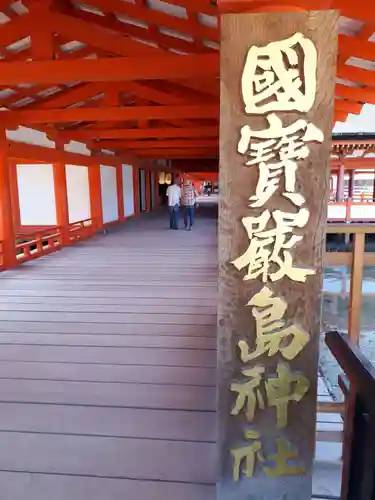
(45, 242)
(80, 230)
(31, 245)
(357, 368)
(358, 474)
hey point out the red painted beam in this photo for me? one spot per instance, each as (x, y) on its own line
(108, 114)
(110, 69)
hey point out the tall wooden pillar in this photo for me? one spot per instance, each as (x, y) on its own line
(277, 84)
(156, 189)
(7, 233)
(136, 190)
(351, 184)
(61, 200)
(95, 189)
(340, 183)
(120, 192)
(15, 197)
(148, 190)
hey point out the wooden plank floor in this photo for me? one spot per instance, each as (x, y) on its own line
(107, 368)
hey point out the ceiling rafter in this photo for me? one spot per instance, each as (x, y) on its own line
(14, 30)
(132, 134)
(157, 85)
(108, 113)
(159, 144)
(110, 69)
(102, 39)
(152, 16)
(163, 41)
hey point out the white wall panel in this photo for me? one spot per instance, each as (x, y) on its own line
(127, 175)
(109, 193)
(36, 195)
(77, 181)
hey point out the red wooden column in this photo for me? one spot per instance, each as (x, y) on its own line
(120, 192)
(148, 190)
(7, 234)
(136, 189)
(14, 193)
(340, 183)
(351, 184)
(61, 198)
(95, 189)
(156, 189)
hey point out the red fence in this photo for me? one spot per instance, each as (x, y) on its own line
(80, 230)
(33, 244)
(349, 211)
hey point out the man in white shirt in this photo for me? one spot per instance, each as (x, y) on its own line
(174, 197)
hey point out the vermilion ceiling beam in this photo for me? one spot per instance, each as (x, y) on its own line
(166, 144)
(340, 116)
(355, 93)
(162, 97)
(160, 133)
(70, 96)
(355, 163)
(348, 106)
(159, 97)
(363, 10)
(108, 114)
(350, 46)
(140, 33)
(49, 155)
(110, 69)
(177, 153)
(77, 29)
(196, 6)
(155, 17)
(356, 75)
(15, 30)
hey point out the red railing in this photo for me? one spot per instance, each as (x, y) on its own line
(351, 211)
(80, 230)
(34, 245)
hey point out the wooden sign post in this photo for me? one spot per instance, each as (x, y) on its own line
(277, 84)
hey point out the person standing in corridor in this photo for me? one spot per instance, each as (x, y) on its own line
(189, 198)
(174, 197)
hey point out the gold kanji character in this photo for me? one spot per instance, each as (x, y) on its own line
(280, 458)
(271, 246)
(287, 386)
(273, 335)
(272, 79)
(248, 392)
(283, 145)
(249, 454)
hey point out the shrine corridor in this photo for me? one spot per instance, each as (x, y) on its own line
(108, 370)
(107, 367)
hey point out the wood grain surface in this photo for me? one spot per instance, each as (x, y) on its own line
(108, 367)
(237, 183)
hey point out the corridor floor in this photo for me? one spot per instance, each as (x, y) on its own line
(107, 368)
